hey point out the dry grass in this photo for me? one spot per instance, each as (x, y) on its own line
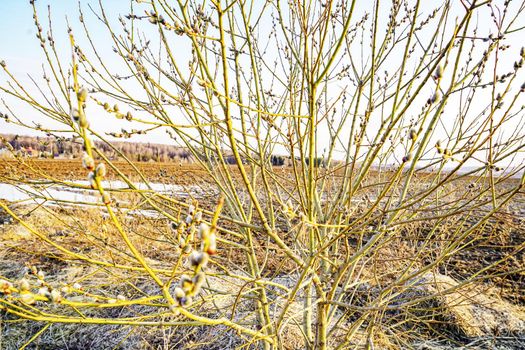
(473, 311)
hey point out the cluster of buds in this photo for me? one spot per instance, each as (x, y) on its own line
(154, 18)
(6, 287)
(30, 290)
(186, 229)
(445, 152)
(78, 116)
(115, 109)
(191, 285)
(97, 174)
(495, 167)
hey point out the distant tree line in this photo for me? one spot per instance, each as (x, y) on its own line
(53, 147)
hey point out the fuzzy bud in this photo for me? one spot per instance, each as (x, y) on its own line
(91, 180)
(101, 170)
(88, 162)
(211, 244)
(439, 72)
(82, 95)
(204, 231)
(6, 287)
(179, 293)
(43, 292)
(74, 114)
(198, 259)
(198, 282)
(186, 283)
(82, 121)
(106, 198)
(27, 298)
(413, 134)
(24, 285)
(186, 301)
(56, 297)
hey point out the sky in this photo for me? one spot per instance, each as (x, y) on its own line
(20, 48)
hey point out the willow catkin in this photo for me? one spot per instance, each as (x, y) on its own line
(211, 246)
(413, 134)
(74, 114)
(91, 180)
(439, 72)
(101, 170)
(23, 285)
(198, 259)
(82, 95)
(106, 198)
(88, 162)
(198, 282)
(55, 295)
(186, 283)
(6, 287)
(27, 298)
(407, 158)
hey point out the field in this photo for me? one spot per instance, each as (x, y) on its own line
(496, 302)
(70, 169)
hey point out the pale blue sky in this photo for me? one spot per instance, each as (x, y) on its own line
(20, 48)
(18, 44)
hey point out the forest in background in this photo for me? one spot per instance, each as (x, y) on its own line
(53, 147)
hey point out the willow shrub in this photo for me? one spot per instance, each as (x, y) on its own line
(410, 112)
